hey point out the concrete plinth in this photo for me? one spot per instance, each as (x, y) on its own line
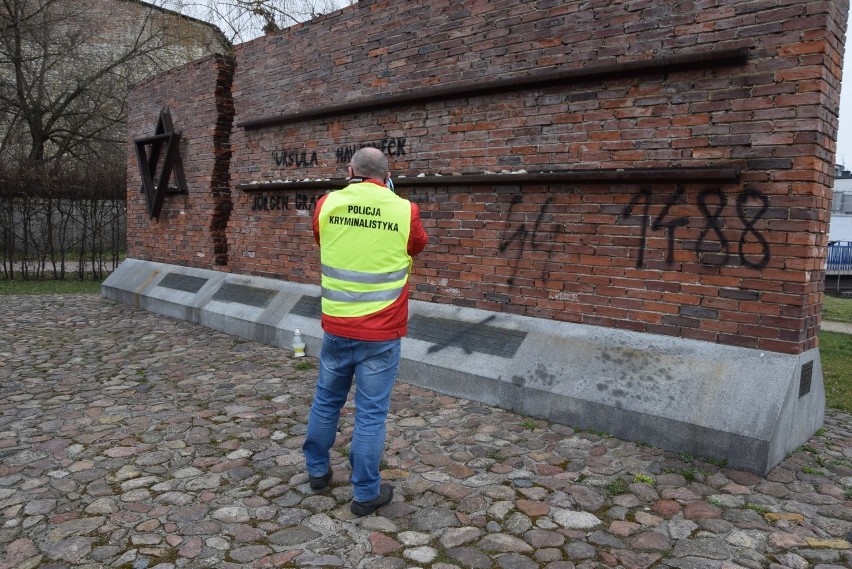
(745, 406)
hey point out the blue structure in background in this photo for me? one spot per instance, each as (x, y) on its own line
(839, 260)
(838, 268)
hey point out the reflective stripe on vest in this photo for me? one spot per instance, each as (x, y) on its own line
(363, 246)
(344, 296)
(362, 277)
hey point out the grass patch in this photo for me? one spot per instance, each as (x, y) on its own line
(720, 462)
(601, 434)
(644, 479)
(836, 354)
(494, 455)
(48, 286)
(304, 365)
(837, 309)
(689, 475)
(617, 487)
(760, 509)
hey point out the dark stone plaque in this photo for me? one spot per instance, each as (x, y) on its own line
(181, 282)
(469, 336)
(806, 378)
(242, 294)
(308, 306)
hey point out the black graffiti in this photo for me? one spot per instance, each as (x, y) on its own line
(713, 223)
(302, 202)
(748, 224)
(712, 219)
(305, 202)
(659, 222)
(390, 146)
(643, 194)
(461, 338)
(523, 237)
(294, 158)
(270, 203)
(672, 224)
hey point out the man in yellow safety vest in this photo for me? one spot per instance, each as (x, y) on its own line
(367, 237)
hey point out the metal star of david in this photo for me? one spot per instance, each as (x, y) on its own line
(164, 135)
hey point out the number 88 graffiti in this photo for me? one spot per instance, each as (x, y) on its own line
(712, 213)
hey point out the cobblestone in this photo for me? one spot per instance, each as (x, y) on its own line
(128, 439)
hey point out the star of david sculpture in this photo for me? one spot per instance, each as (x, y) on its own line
(148, 149)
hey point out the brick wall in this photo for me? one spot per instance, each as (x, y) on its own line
(191, 227)
(737, 261)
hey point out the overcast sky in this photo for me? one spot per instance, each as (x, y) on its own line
(844, 134)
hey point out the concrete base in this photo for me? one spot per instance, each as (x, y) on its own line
(748, 407)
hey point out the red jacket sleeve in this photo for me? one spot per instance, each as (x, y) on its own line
(316, 217)
(417, 238)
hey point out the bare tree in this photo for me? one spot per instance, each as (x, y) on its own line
(243, 20)
(66, 67)
(63, 79)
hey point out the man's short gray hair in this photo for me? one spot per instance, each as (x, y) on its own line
(369, 162)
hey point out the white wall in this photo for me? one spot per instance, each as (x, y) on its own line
(840, 227)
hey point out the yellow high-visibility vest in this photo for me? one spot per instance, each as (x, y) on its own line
(363, 249)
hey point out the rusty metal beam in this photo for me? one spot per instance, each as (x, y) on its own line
(613, 176)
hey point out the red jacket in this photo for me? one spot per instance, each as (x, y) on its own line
(391, 322)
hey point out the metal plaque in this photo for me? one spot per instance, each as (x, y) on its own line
(469, 336)
(242, 294)
(185, 283)
(308, 306)
(806, 378)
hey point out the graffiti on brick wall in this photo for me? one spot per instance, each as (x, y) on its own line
(716, 244)
(302, 202)
(299, 159)
(292, 158)
(523, 239)
(714, 234)
(394, 146)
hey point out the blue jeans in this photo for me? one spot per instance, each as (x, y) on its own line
(374, 367)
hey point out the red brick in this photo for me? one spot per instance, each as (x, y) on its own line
(558, 239)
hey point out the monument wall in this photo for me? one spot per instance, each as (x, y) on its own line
(661, 171)
(705, 129)
(190, 229)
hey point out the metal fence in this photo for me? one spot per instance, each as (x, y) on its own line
(58, 237)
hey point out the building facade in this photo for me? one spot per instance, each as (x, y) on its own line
(840, 226)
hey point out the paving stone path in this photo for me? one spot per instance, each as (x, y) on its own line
(129, 440)
(841, 327)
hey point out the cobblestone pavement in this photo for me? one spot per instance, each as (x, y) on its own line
(131, 440)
